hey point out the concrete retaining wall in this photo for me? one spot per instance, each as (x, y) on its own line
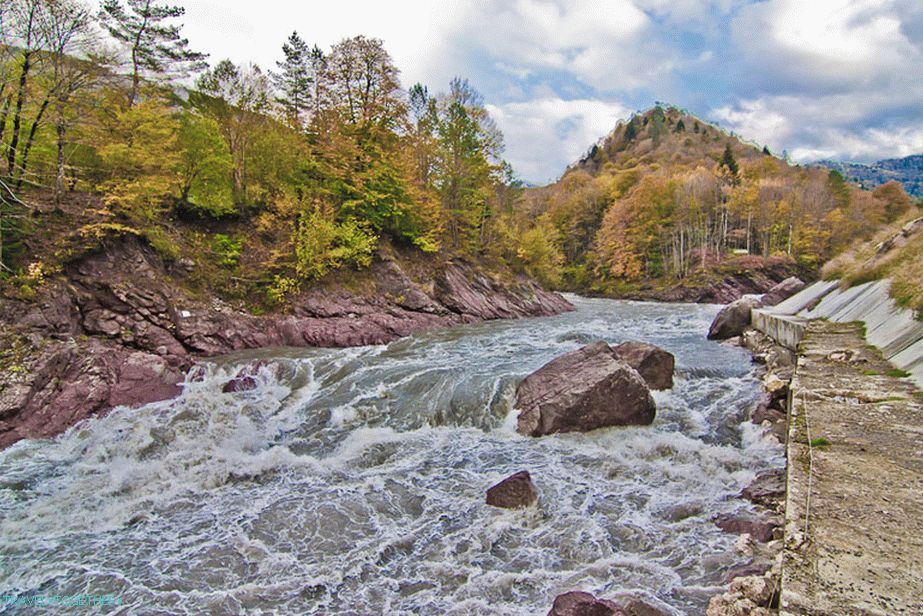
(890, 328)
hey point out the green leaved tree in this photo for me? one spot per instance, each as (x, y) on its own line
(156, 49)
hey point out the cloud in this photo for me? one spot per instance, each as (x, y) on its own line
(545, 135)
(837, 127)
(823, 47)
(828, 79)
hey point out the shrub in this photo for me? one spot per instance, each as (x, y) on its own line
(227, 249)
(322, 244)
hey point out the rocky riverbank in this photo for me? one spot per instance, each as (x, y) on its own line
(755, 588)
(718, 283)
(116, 327)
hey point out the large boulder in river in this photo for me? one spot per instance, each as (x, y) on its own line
(583, 390)
(733, 319)
(514, 492)
(653, 363)
(782, 291)
(577, 603)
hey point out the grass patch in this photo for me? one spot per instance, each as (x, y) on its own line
(871, 372)
(902, 264)
(897, 373)
(820, 442)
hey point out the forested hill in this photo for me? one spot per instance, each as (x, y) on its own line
(267, 178)
(667, 200)
(908, 171)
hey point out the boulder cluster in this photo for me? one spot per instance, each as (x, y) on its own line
(595, 386)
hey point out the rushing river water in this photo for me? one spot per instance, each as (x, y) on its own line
(352, 481)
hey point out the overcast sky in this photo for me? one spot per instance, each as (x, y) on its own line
(819, 78)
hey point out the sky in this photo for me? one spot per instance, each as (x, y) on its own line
(816, 79)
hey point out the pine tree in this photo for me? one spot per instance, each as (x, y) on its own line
(295, 81)
(157, 50)
(631, 130)
(727, 160)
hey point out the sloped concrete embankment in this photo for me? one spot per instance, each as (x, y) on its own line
(890, 328)
(854, 500)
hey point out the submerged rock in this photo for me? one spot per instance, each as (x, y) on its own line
(635, 606)
(583, 390)
(733, 319)
(782, 291)
(514, 492)
(758, 527)
(653, 363)
(577, 603)
(245, 379)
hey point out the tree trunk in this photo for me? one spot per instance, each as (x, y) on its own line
(17, 115)
(749, 220)
(25, 152)
(5, 114)
(59, 175)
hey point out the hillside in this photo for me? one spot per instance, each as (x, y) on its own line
(908, 171)
(671, 207)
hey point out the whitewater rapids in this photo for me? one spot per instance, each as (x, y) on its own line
(352, 481)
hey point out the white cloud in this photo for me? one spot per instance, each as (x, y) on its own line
(829, 46)
(545, 135)
(828, 79)
(243, 32)
(607, 45)
(813, 128)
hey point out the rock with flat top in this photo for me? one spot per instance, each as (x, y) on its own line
(758, 527)
(767, 489)
(583, 390)
(782, 291)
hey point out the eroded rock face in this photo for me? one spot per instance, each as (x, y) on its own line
(579, 603)
(782, 291)
(653, 363)
(65, 382)
(583, 390)
(115, 328)
(732, 319)
(514, 492)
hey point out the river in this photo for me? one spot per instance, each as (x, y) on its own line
(352, 481)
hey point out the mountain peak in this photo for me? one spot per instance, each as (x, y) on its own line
(663, 133)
